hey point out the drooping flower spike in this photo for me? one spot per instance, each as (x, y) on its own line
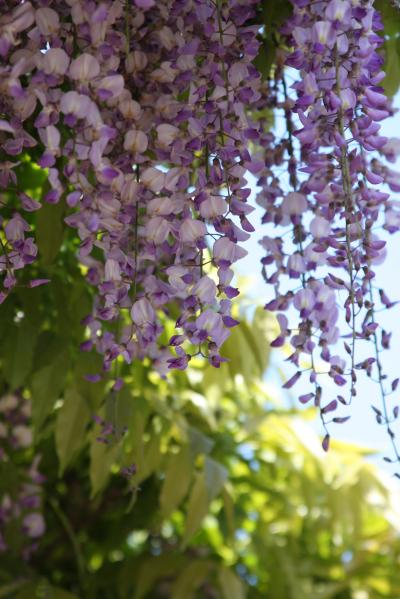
(339, 197)
(141, 113)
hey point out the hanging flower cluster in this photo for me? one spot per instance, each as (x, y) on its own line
(144, 130)
(21, 507)
(331, 203)
(140, 112)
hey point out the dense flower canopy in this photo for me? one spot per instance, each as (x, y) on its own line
(147, 116)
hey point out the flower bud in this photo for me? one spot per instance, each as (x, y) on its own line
(8, 402)
(33, 524)
(22, 435)
(296, 265)
(304, 299)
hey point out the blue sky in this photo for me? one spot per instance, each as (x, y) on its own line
(362, 427)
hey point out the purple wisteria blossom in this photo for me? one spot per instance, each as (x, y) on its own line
(21, 508)
(332, 199)
(155, 179)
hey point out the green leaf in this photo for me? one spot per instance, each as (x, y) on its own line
(49, 232)
(8, 589)
(58, 593)
(391, 82)
(47, 385)
(121, 409)
(241, 358)
(229, 510)
(176, 487)
(190, 579)
(92, 393)
(265, 58)
(102, 457)
(231, 586)
(152, 456)
(136, 410)
(30, 302)
(197, 507)
(19, 345)
(74, 302)
(260, 330)
(43, 590)
(48, 345)
(30, 175)
(71, 423)
(199, 443)
(215, 477)
(156, 568)
(206, 487)
(390, 17)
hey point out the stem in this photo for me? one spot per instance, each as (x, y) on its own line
(80, 562)
(127, 27)
(136, 237)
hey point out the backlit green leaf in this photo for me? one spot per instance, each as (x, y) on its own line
(49, 232)
(47, 385)
(71, 422)
(177, 480)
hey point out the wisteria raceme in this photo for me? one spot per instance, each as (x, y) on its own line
(154, 182)
(21, 508)
(332, 200)
(140, 112)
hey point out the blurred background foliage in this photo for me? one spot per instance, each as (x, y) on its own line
(232, 496)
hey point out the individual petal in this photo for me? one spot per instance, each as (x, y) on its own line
(84, 68)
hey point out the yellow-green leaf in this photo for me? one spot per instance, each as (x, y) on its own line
(49, 232)
(197, 508)
(102, 457)
(215, 477)
(177, 480)
(47, 384)
(72, 419)
(190, 579)
(231, 585)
